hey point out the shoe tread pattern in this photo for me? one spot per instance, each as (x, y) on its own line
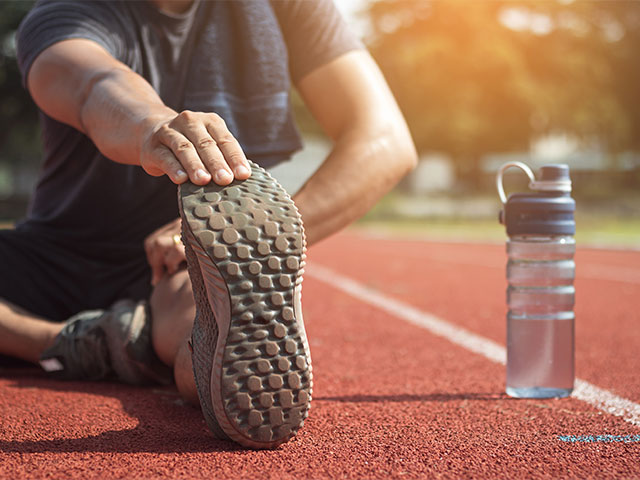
(253, 237)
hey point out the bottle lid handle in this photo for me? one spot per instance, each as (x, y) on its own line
(503, 168)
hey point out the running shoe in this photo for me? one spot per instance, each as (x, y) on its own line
(246, 252)
(107, 344)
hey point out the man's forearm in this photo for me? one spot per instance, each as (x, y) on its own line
(118, 110)
(372, 150)
(79, 83)
(360, 169)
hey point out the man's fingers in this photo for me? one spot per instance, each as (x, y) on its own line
(165, 258)
(165, 162)
(186, 154)
(156, 262)
(157, 272)
(210, 153)
(174, 257)
(197, 146)
(164, 250)
(230, 148)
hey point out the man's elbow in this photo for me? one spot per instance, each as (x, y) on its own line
(402, 151)
(410, 157)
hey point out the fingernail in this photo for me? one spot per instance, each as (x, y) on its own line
(181, 174)
(202, 175)
(222, 175)
(242, 171)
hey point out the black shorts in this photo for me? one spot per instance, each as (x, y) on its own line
(56, 278)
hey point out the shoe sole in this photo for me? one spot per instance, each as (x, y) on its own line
(249, 242)
(204, 335)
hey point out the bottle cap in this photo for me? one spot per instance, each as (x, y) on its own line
(553, 178)
(547, 210)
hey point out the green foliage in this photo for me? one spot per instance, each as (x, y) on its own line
(481, 76)
(18, 114)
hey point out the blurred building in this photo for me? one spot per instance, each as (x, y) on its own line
(579, 156)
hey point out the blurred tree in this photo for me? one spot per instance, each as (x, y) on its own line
(474, 77)
(18, 114)
(625, 68)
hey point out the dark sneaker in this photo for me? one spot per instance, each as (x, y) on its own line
(246, 250)
(106, 344)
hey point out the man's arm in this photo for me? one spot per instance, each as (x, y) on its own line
(372, 151)
(78, 83)
(372, 148)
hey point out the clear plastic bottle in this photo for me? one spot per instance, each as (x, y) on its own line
(540, 293)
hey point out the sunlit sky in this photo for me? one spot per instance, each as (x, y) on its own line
(515, 18)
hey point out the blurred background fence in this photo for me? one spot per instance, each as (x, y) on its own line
(480, 82)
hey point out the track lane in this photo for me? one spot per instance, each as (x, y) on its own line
(390, 400)
(593, 395)
(466, 285)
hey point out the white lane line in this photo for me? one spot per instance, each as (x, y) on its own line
(607, 402)
(595, 396)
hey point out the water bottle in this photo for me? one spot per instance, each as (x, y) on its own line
(540, 294)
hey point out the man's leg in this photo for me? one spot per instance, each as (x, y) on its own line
(30, 308)
(172, 313)
(23, 335)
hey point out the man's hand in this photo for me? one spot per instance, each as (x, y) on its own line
(165, 251)
(193, 145)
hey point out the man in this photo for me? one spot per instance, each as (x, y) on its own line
(188, 90)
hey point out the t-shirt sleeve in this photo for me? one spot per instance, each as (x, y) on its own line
(50, 22)
(315, 34)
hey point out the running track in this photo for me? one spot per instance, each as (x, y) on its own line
(391, 397)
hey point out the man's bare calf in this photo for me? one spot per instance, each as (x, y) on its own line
(24, 335)
(173, 311)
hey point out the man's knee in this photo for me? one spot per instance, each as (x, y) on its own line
(172, 288)
(183, 372)
(173, 311)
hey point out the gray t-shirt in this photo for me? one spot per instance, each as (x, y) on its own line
(233, 58)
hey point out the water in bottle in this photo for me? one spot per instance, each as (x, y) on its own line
(540, 294)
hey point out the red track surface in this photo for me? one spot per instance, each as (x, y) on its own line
(390, 398)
